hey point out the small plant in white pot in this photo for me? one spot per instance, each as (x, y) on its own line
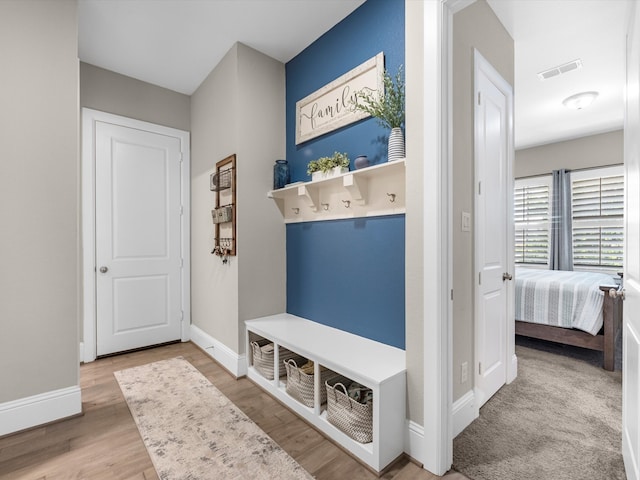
(326, 167)
(388, 109)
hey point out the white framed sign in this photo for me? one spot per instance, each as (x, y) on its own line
(333, 106)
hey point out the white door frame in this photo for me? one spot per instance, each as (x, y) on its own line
(631, 370)
(436, 451)
(89, 119)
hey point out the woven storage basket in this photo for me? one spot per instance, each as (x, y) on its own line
(264, 361)
(353, 418)
(300, 385)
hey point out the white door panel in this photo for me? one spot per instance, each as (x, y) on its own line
(493, 146)
(138, 238)
(631, 319)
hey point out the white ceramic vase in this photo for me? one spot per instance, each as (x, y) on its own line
(396, 145)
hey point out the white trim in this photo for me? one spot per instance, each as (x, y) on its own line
(465, 410)
(89, 119)
(39, 409)
(233, 362)
(414, 441)
(512, 369)
(437, 266)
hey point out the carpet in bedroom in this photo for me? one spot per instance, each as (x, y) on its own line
(559, 420)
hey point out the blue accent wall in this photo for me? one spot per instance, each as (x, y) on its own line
(376, 26)
(347, 274)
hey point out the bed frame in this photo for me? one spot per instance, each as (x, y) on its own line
(604, 342)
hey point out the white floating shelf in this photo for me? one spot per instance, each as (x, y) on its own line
(372, 191)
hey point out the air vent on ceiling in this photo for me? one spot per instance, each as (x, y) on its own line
(560, 69)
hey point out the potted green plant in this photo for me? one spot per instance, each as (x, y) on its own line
(325, 167)
(388, 109)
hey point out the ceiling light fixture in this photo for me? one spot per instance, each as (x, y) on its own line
(580, 100)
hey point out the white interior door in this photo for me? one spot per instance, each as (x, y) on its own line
(493, 185)
(631, 318)
(138, 238)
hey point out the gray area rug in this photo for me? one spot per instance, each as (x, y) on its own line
(559, 420)
(192, 431)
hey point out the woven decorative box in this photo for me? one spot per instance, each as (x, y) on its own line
(300, 384)
(263, 358)
(351, 417)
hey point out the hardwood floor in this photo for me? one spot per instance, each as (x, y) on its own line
(104, 442)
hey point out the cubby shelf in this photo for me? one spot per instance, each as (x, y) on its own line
(380, 367)
(372, 191)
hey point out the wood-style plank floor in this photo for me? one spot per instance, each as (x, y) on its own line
(104, 442)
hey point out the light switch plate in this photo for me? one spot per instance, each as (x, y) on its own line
(466, 222)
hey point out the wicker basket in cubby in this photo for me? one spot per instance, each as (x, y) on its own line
(263, 358)
(300, 385)
(352, 417)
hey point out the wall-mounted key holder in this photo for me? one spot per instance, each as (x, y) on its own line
(223, 183)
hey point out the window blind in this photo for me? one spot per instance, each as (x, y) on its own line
(532, 210)
(598, 228)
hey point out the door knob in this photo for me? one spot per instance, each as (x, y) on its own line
(506, 276)
(104, 269)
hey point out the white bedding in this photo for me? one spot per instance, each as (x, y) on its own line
(559, 298)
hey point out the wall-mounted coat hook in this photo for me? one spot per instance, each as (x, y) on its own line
(325, 206)
(347, 203)
(296, 210)
(392, 197)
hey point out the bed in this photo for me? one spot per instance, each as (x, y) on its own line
(572, 308)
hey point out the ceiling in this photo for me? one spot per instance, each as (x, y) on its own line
(176, 43)
(548, 33)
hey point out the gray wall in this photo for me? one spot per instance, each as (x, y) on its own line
(238, 109)
(214, 118)
(261, 230)
(111, 92)
(586, 152)
(39, 205)
(474, 27)
(414, 225)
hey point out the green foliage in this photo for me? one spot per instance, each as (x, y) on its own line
(325, 164)
(388, 108)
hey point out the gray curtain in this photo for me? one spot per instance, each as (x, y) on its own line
(561, 254)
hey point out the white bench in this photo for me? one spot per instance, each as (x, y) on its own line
(380, 367)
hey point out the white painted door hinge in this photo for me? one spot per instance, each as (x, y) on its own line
(479, 368)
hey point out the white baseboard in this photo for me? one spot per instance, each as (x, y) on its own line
(39, 409)
(235, 363)
(414, 441)
(464, 412)
(512, 371)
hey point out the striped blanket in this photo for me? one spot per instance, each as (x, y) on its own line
(559, 298)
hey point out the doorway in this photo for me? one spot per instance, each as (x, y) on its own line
(135, 234)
